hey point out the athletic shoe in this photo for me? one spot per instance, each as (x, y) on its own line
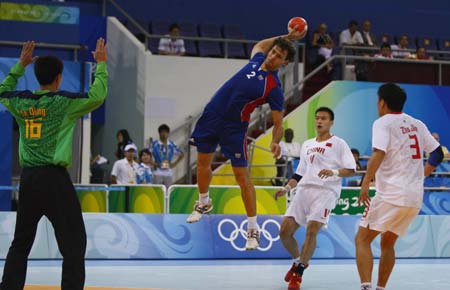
(291, 271)
(294, 283)
(252, 240)
(199, 210)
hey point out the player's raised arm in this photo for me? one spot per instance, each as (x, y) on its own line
(266, 44)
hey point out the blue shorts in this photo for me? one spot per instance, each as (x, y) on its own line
(212, 130)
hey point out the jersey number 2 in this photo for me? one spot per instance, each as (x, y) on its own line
(250, 75)
(417, 155)
(33, 128)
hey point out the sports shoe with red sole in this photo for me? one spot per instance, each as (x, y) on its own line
(291, 271)
(294, 283)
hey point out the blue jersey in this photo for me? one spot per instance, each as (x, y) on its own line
(144, 174)
(163, 153)
(247, 89)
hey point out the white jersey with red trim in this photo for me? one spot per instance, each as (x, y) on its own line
(399, 179)
(331, 154)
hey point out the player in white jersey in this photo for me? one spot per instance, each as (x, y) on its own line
(323, 161)
(398, 142)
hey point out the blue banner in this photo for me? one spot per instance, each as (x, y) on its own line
(158, 236)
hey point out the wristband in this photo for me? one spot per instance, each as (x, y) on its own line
(335, 172)
(287, 187)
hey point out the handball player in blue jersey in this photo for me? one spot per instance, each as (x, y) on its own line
(225, 120)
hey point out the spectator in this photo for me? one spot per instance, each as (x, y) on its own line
(97, 169)
(401, 50)
(124, 170)
(171, 44)
(368, 37)
(291, 155)
(385, 51)
(144, 172)
(355, 153)
(351, 36)
(123, 139)
(164, 150)
(421, 53)
(323, 42)
(444, 148)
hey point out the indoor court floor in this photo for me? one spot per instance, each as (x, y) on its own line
(409, 274)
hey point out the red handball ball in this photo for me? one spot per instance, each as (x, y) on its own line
(301, 22)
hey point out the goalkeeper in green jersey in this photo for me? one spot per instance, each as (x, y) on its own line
(46, 120)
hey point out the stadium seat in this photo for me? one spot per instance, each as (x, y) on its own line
(189, 29)
(236, 50)
(209, 48)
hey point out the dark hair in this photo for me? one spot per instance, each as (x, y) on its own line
(125, 135)
(384, 45)
(289, 130)
(393, 95)
(355, 151)
(173, 26)
(145, 150)
(285, 45)
(328, 110)
(46, 68)
(352, 23)
(163, 127)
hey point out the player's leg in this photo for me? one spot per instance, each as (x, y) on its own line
(387, 257)
(364, 257)
(287, 230)
(248, 195)
(206, 140)
(309, 244)
(64, 212)
(29, 212)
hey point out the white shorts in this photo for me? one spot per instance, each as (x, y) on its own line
(383, 217)
(311, 203)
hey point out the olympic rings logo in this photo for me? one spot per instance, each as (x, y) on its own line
(242, 232)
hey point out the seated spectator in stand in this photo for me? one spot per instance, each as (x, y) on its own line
(323, 42)
(368, 37)
(421, 53)
(144, 172)
(290, 152)
(385, 51)
(444, 148)
(351, 36)
(171, 45)
(163, 151)
(123, 139)
(124, 170)
(401, 50)
(356, 155)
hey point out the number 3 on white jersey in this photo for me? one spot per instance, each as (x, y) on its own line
(252, 74)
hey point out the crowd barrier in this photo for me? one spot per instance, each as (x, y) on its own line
(180, 199)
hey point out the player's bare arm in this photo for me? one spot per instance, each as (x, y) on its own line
(266, 44)
(277, 133)
(291, 184)
(372, 167)
(342, 172)
(26, 55)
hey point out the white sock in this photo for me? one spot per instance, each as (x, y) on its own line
(252, 223)
(204, 198)
(296, 261)
(380, 288)
(367, 285)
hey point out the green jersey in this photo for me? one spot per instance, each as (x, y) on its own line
(46, 119)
